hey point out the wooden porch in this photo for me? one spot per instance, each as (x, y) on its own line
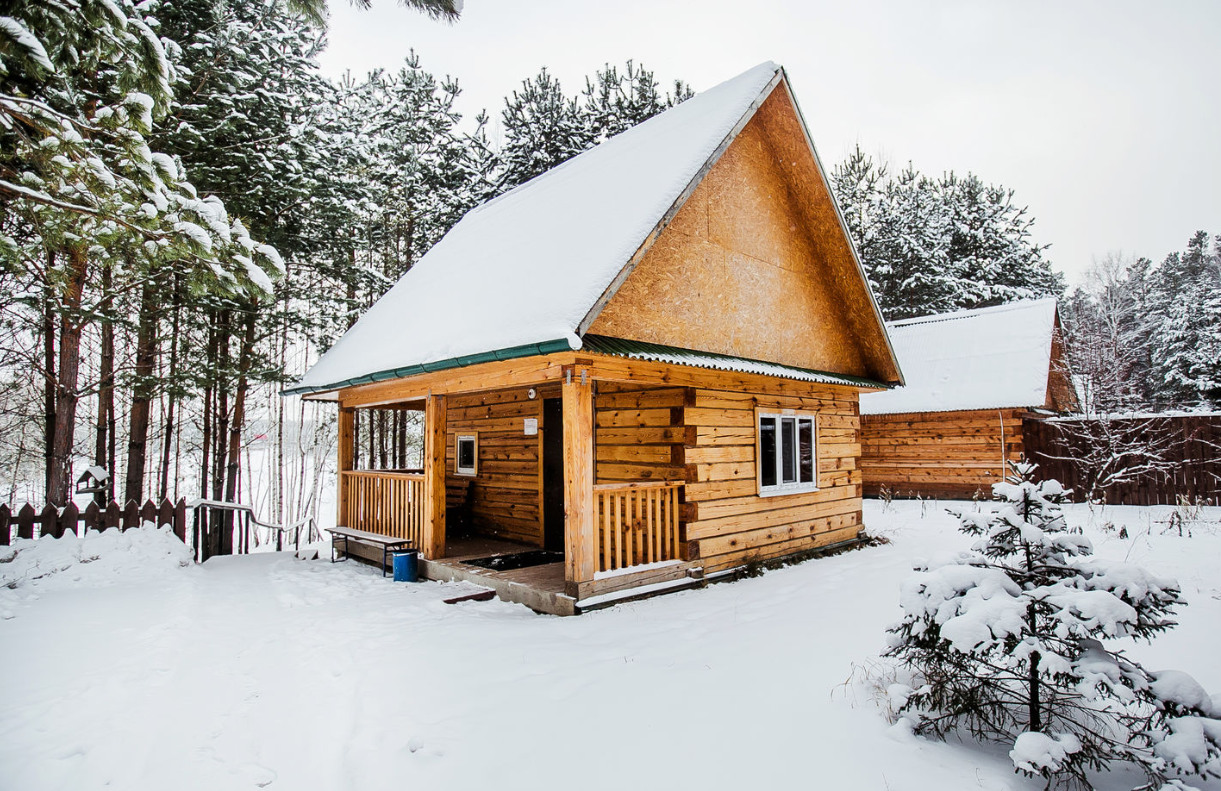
(637, 527)
(548, 474)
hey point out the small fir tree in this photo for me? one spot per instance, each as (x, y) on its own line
(1005, 641)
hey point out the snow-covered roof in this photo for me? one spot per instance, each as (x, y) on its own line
(527, 267)
(98, 473)
(991, 358)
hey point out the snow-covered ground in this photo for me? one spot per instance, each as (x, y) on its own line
(133, 671)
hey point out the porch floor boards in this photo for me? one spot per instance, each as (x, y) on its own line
(540, 588)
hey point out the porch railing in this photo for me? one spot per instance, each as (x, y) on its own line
(389, 503)
(637, 523)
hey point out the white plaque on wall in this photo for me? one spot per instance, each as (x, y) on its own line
(531, 426)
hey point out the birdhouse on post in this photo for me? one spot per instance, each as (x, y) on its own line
(96, 481)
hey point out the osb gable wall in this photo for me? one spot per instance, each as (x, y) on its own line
(730, 523)
(1061, 397)
(944, 454)
(738, 271)
(506, 494)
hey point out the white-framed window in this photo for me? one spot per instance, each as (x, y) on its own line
(466, 454)
(787, 452)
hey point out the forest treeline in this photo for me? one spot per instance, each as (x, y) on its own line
(191, 213)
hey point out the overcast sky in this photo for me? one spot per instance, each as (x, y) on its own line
(1105, 117)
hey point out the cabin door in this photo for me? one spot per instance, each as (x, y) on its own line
(553, 474)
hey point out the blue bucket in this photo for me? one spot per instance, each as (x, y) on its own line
(407, 566)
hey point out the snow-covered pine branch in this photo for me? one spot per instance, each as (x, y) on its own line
(1005, 641)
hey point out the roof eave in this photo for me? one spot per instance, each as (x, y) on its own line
(463, 361)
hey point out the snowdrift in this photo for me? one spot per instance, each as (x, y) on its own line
(97, 559)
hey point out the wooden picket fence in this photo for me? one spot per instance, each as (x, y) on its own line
(1194, 449)
(28, 521)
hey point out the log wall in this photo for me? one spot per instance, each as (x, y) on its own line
(727, 523)
(939, 454)
(506, 495)
(639, 434)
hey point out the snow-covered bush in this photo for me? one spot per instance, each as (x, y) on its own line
(1005, 642)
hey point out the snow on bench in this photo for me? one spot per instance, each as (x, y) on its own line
(387, 543)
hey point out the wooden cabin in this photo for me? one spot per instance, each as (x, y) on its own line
(646, 361)
(974, 378)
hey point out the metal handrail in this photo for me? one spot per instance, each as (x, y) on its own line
(225, 505)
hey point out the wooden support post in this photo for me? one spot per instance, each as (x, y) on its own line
(580, 538)
(347, 451)
(434, 478)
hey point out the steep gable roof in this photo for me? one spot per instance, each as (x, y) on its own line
(526, 272)
(991, 358)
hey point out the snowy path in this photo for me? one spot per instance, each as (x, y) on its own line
(265, 671)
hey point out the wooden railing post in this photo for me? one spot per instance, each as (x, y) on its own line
(347, 449)
(433, 545)
(580, 536)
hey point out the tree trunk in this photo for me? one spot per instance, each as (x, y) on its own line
(351, 293)
(173, 396)
(1036, 720)
(50, 386)
(66, 396)
(103, 453)
(220, 403)
(239, 415)
(142, 393)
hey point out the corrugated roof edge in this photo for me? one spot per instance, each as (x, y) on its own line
(655, 352)
(1022, 304)
(511, 353)
(987, 407)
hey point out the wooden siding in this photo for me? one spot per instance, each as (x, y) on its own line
(505, 496)
(728, 523)
(744, 239)
(942, 454)
(638, 433)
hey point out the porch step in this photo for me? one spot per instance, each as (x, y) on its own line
(485, 595)
(537, 599)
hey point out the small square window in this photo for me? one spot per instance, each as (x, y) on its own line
(788, 453)
(466, 454)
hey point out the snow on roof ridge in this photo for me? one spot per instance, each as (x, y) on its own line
(1022, 304)
(629, 133)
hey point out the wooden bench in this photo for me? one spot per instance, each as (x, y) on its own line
(387, 543)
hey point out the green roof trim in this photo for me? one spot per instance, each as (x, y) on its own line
(511, 353)
(655, 352)
(615, 347)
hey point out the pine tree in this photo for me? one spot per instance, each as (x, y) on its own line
(1185, 326)
(1005, 641)
(78, 99)
(614, 102)
(542, 128)
(934, 246)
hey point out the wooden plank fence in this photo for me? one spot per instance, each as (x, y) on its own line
(28, 521)
(1193, 447)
